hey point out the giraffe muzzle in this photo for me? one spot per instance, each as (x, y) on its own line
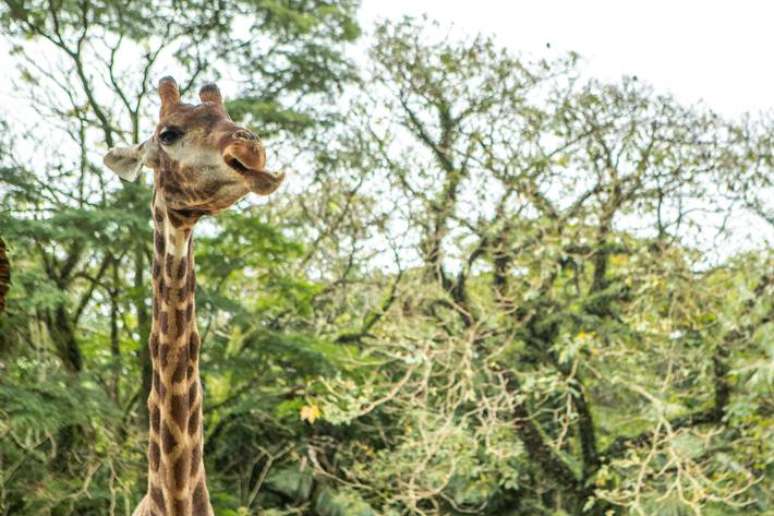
(245, 156)
(248, 158)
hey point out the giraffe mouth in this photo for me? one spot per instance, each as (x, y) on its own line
(259, 181)
(240, 167)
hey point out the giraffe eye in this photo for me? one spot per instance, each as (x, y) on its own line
(170, 135)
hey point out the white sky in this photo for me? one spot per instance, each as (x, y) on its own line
(720, 52)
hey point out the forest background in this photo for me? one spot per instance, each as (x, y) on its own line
(492, 283)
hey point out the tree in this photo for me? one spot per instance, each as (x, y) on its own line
(558, 343)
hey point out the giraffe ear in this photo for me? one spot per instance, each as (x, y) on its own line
(127, 162)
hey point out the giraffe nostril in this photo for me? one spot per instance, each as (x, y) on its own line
(245, 135)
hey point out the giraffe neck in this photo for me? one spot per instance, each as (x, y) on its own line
(176, 479)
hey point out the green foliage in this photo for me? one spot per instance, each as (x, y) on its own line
(341, 503)
(483, 293)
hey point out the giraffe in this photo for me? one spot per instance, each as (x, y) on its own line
(202, 164)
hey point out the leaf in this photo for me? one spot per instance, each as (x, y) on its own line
(292, 481)
(341, 503)
(310, 413)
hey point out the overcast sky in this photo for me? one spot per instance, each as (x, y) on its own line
(720, 52)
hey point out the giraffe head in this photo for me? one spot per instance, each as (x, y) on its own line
(203, 161)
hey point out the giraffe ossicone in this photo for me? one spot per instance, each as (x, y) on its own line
(202, 163)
